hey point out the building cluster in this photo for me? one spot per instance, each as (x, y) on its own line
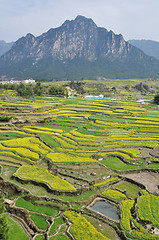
(30, 80)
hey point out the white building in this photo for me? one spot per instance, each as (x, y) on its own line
(30, 80)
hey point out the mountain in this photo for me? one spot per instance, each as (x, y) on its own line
(5, 47)
(149, 47)
(77, 49)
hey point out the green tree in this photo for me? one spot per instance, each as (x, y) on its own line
(38, 90)
(78, 86)
(24, 90)
(142, 87)
(57, 91)
(156, 99)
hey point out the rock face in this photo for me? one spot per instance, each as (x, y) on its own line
(80, 38)
(78, 48)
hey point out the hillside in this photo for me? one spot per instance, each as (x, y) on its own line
(149, 47)
(77, 49)
(5, 47)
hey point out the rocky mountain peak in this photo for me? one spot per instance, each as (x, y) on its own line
(79, 22)
(80, 19)
(78, 46)
(29, 36)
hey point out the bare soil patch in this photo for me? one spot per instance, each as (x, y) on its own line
(150, 181)
(145, 153)
(103, 227)
(155, 152)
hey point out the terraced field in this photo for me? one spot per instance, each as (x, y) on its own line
(58, 155)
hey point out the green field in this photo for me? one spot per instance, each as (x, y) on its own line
(15, 231)
(35, 208)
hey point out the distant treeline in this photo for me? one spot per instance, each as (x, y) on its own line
(38, 89)
(35, 90)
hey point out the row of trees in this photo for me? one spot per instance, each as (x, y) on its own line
(26, 90)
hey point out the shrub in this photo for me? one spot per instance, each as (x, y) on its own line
(156, 99)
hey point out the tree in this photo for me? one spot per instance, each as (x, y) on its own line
(24, 90)
(78, 86)
(142, 87)
(156, 99)
(57, 91)
(38, 90)
(114, 89)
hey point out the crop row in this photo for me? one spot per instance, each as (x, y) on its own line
(64, 158)
(14, 157)
(31, 143)
(43, 130)
(108, 180)
(21, 151)
(64, 142)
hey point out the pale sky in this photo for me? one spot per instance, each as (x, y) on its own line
(134, 19)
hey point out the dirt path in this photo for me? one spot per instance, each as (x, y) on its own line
(150, 181)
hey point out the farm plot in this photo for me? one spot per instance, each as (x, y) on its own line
(126, 214)
(81, 227)
(107, 181)
(15, 230)
(114, 195)
(81, 149)
(22, 203)
(66, 158)
(57, 221)
(31, 143)
(41, 175)
(130, 189)
(28, 149)
(148, 208)
(147, 212)
(149, 180)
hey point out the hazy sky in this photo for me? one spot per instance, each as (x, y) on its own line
(134, 19)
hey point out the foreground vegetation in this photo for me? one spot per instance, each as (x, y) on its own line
(57, 155)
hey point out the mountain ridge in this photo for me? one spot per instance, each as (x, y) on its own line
(5, 46)
(77, 49)
(149, 47)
